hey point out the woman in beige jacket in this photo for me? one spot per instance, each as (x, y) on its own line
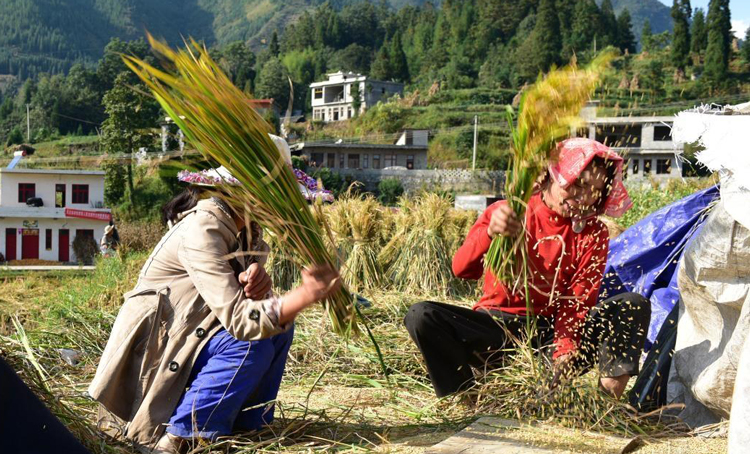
(201, 337)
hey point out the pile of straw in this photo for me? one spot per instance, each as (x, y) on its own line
(422, 264)
(362, 270)
(397, 223)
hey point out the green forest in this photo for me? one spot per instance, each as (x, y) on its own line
(476, 53)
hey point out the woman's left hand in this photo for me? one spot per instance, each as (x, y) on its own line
(256, 282)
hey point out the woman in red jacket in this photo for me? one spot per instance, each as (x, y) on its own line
(567, 251)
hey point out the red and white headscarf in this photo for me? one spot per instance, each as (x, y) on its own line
(574, 155)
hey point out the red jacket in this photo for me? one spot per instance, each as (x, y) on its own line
(574, 262)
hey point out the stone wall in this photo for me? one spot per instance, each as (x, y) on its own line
(460, 181)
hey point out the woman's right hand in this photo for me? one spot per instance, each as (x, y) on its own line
(318, 282)
(504, 221)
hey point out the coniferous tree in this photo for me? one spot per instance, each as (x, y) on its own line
(681, 11)
(585, 26)
(356, 95)
(608, 25)
(565, 14)
(698, 33)
(273, 47)
(625, 37)
(726, 29)
(647, 36)
(746, 47)
(398, 67)
(546, 37)
(439, 54)
(381, 67)
(717, 55)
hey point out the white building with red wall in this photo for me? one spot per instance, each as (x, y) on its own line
(72, 203)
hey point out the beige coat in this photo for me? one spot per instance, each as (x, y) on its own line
(187, 290)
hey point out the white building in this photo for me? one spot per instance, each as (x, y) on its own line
(332, 99)
(71, 204)
(645, 142)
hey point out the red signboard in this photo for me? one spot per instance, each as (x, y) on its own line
(85, 214)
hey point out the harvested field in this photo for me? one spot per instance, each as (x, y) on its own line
(334, 396)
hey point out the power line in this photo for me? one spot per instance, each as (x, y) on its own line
(76, 119)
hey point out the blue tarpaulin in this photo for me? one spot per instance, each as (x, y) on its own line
(644, 258)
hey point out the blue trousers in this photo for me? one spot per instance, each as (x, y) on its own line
(232, 386)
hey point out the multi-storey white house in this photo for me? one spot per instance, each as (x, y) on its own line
(332, 99)
(43, 210)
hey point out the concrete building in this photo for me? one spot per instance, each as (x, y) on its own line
(332, 99)
(645, 142)
(409, 152)
(42, 212)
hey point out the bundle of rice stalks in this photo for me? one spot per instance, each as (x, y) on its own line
(422, 263)
(284, 271)
(397, 223)
(336, 216)
(219, 121)
(547, 113)
(362, 270)
(457, 228)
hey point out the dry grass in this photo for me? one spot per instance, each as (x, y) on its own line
(139, 236)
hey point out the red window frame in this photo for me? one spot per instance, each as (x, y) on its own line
(26, 191)
(80, 193)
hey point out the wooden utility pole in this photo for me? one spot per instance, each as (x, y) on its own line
(28, 125)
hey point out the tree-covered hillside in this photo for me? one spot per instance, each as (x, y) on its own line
(51, 35)
(641, 10)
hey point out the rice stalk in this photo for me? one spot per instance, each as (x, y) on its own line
(219, 121)
(547, 113)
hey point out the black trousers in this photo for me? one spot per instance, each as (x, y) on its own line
(453, 339)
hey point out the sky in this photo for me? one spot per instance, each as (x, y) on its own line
(740, 13)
